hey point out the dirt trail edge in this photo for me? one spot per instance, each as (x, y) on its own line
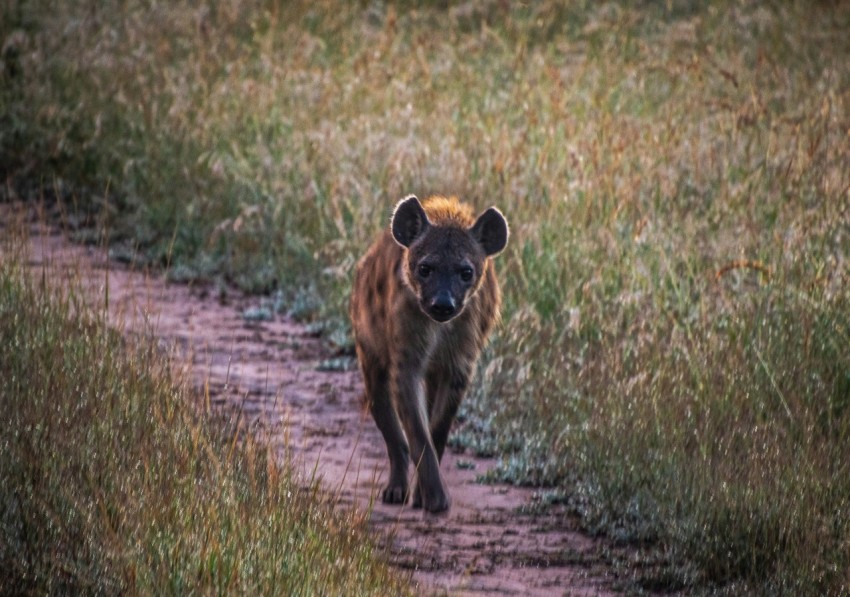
(486, 545)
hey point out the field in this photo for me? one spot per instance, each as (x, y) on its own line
(110, 483)
(673, 359)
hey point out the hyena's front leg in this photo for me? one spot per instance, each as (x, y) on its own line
(408, 393)
(444, 396)
(446, 383)
(446, 391)
(380, 402)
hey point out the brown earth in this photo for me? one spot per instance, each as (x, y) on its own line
(485, 545)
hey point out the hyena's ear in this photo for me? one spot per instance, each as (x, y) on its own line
(409, 221)
(491, 231)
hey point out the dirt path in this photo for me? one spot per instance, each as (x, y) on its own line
(269, 369)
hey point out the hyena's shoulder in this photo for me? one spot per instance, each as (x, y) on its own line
(384, 255)
(377, 285)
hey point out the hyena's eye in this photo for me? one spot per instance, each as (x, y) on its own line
(424, 270)
(466, 274)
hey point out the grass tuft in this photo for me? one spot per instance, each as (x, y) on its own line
(111, 483)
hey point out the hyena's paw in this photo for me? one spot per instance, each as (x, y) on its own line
(394, 493)
(435, 501)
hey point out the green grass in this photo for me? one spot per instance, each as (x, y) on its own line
(674, 349)
(111, 484)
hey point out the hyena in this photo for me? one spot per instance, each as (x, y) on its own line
(424, 301)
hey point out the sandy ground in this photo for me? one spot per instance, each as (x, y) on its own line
(269, 369)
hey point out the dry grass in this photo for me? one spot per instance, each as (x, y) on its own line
(111, 484)
(674, 353)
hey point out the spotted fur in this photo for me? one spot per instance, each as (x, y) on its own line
(425, 298)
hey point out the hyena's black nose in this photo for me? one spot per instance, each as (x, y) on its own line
(443, 306)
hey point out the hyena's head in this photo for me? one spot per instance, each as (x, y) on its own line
(445, 260)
